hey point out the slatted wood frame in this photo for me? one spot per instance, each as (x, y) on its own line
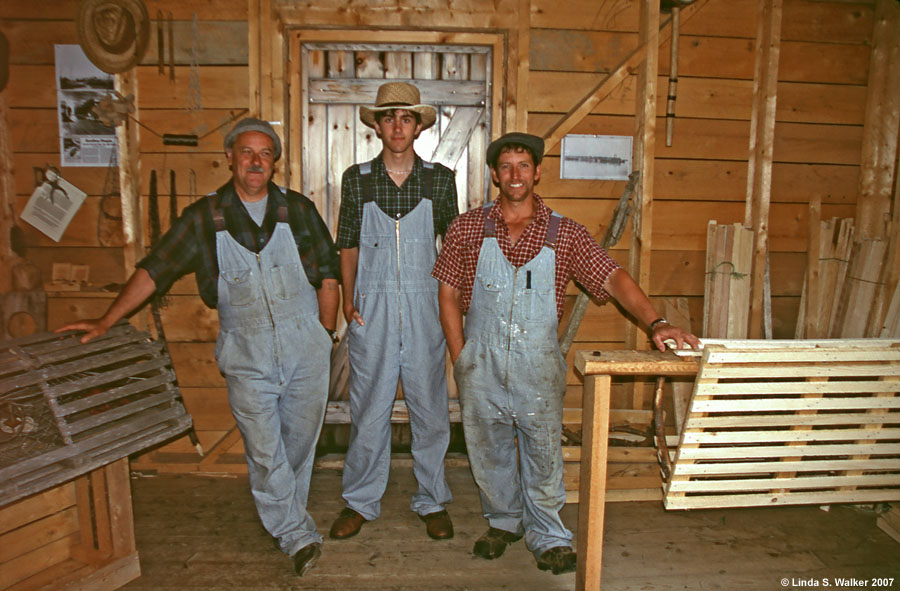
(791, 422)
(75, 407)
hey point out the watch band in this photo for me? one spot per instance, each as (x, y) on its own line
(659, 320)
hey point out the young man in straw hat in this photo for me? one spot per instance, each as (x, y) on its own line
(265, 260)
(392, 208)
(506, 266)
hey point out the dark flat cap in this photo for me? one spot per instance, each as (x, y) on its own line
(532, 142)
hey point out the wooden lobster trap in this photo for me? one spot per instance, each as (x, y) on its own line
(790, 422)
(67, 408)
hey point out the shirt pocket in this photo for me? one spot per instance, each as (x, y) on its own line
(239, 286)
(375, 252)
(286, 280)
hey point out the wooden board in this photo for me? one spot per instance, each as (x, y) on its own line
(791, 422)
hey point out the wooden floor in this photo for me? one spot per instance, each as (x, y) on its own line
(198, 532)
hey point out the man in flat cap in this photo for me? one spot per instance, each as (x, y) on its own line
(392, 209)
(265, 260)
(506, 266)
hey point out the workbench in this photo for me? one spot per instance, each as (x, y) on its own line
(598, 369)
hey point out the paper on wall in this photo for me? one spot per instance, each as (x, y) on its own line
(52, 205)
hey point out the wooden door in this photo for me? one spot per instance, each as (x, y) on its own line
(336, 77)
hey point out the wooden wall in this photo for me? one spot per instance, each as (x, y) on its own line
(556, 53)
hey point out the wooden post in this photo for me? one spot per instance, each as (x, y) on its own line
(7, 196)
(762, 139)
(644, 154)
(811, 313)
(592, 487)
(879, 143)
(520, 116)
(128, 136)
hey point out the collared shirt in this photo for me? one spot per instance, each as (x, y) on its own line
(190, 244)
(393, 200)
(578, 256)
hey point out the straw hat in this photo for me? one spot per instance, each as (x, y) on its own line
(113, 33)
(398, 95)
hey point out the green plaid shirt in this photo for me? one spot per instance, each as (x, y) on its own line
(190, 244)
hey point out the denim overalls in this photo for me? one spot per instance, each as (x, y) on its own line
(512, 378)
(401, 339)
(275, 355)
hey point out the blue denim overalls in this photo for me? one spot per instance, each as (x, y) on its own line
(512, 378)
(275, 355)
(402, 339)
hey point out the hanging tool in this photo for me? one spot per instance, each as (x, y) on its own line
(173, 199)
(673, 76)
(156, 301)
(662, 448)
(171, 50)
(160, 43)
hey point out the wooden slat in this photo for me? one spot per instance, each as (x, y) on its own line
(355, 91)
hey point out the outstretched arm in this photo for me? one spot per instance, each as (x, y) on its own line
(140, 286)
(629, 294)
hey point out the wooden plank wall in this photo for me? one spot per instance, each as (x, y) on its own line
(822, 93)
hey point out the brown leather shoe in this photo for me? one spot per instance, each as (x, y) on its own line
(493, 543)
(347, 525)
(438, 525)
(306, 557)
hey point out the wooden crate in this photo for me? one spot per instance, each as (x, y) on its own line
(791, 422)
(76, 535)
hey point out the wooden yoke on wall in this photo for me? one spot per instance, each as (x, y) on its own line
(759, 166)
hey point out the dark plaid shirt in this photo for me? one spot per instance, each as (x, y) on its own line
(190, 244)
(393, 200)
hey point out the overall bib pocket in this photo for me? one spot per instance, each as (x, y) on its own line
(239, 282)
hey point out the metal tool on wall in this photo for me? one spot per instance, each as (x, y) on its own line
(156, 302)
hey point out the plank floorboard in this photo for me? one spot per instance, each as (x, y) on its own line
(198, 533)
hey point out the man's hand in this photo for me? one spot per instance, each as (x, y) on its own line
(665, 331)
(93, 328)
(351, 314)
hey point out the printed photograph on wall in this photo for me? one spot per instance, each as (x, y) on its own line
(83, 139)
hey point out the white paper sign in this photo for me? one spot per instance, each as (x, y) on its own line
(606, 157)
(52, 205)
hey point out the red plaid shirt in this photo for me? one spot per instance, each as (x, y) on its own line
(578, 255)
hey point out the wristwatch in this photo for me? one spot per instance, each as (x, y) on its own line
(659, 320)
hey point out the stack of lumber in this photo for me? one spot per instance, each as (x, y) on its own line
(726, 301)
(791, 422)
(864, 275)
(830, 255)
(851, 288)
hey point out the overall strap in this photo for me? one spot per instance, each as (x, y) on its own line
(429, 180)
(281, 214)
(490, 226)
(552, 230)
(218, 216)
(368, 186)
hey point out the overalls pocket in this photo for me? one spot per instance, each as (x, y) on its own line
(286, 280)
(240, 286)
(375, 252)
